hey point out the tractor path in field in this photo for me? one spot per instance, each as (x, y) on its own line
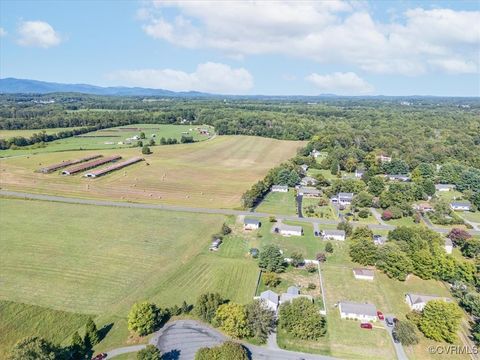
(72, 200)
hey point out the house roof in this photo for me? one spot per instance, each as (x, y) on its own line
(280, 187)
(398, 176)
(309, 190)
(419, 299)
(289, 227)
(460, 203)
(357, 308)
(444, 186)
(304, 167)
(345, 195)
(251, 222)
(334, 232)
(270, 296)
(363, 272)
(293, 290)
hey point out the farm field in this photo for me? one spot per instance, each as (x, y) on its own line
(20, 320)
(6, 134)
(211, 173)
(111, 137)
(279, 203)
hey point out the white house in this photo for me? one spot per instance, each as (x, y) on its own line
(379, 239)
(359, 173)
(304, 167)
(279, 188)
(251, 224)
(461, 205)
(444, 187)
(418, 302)
(269, 299)
(448, 246)
(333, 235)
(357, 311)
(343, 198)
(395, 177)
(363, 274)
(384, 158)
(288, 230)
(309, 192)
(315, 153)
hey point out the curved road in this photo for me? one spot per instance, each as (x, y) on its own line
(180, 340)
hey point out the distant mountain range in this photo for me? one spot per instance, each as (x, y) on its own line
(26, 86)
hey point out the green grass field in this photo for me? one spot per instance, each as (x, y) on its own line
(7, 134)
(20, 320)
(110, 138)
(279, 203)
(471, 216)
(212, 173)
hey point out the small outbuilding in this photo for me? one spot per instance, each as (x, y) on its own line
(279, 188)
(363, 274)
(338, 235)
(251, 224)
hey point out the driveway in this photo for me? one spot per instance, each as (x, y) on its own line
(398, 347)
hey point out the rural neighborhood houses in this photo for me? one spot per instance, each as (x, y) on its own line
(279, 188)
(334, 235)
(308, 180)
(269, 299)
(384, 158)
(343, 199)
(359, 173)
(357, 311)
(288, 230)
(293, 293)
(444, 187)
(251, 224)
(309, 192)
(315, 153)
(418, 302)
(363, 274)
(304, 167)
(461, 205)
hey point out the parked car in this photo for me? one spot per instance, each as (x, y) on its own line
(390, 321)
(380, 315)
(100, 356)
(366, 326)
(395, 337)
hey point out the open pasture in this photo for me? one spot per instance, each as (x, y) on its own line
(211, 173)
(7, 134)
(112, 138)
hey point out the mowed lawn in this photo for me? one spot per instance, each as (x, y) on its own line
(7, 134)
(105, 138)
(212, 173)
(20, 320)
(279, 203)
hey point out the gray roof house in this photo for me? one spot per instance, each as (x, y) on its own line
(309, 192)
(279, 188)
(396, 177)
(334, 235)
(444, 187)
(358, 311)
(343, 198)
(418, 302)
(304, 167)
(288, 230)
(250, 224)
(308, 180)
(461, 205)
(293, 293)
(270, 299)
(363, 274)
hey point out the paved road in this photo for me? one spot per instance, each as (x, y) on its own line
(72, 200)
(124, 350)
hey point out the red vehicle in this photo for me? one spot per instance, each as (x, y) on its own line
(380, 315)
(366, 326)
(100, 356)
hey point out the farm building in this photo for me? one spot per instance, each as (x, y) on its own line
(293, 293)
(90, 165)
(444, 187)
(357, 311)
(308, 180)
(343, 199)
(251, 224)
(54, 167)
(363, 274)
(396, 177)
(448, 246)
(269, 299)
(288, 230)
(461, 205)
(116, 166)
(309, 192)
(333, 235)
(418, 302)
(279, 188)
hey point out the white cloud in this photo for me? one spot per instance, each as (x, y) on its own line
(339, 83)
(208, 77)
(2, 32)
(38, 34)
(325, 31)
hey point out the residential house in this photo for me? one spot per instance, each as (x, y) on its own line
(448, 245)
(359, 173)
(423, 207)
(315, 153)
(269, 299)
(343, 199)
(418, 302)
(398, 177)
(333, 235)
(384, 159)
(288, 230)
(309, 192)
(461, 205)
(279, 188)
(357, 311)
(379, 240)
(293, 293)
(444, 187)
(363, 274)
(308, 180)
(304, 168)
(251, 224)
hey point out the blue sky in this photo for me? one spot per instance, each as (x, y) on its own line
(269, 47)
